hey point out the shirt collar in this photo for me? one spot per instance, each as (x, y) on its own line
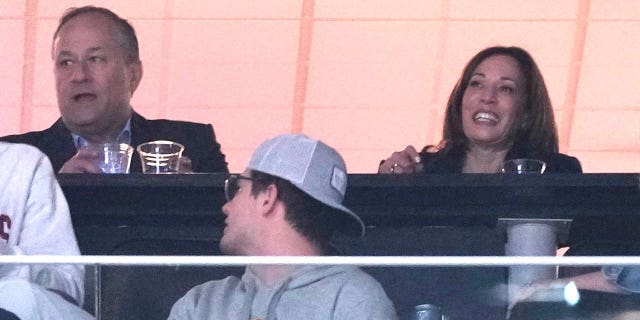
(123, 137)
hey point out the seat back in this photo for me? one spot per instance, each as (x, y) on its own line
(461, 292)
(149, 292)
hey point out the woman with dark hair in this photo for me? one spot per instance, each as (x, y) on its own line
(499, 109)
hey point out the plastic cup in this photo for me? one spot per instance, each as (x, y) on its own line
(524, 166)
(114, 157)
(160, 157)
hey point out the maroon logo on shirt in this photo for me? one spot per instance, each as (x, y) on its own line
(5, 226)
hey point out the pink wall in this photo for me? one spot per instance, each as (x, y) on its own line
(367, 77)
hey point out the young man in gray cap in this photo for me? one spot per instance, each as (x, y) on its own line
(288, 202)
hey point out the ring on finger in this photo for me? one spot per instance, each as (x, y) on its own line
(393, 167)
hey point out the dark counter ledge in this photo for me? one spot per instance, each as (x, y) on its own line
(376, 198)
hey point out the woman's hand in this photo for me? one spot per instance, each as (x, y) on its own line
(405, 161)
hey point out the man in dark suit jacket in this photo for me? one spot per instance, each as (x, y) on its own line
(198, 140)
(97, 70)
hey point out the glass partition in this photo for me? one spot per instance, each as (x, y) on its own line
(453, 287)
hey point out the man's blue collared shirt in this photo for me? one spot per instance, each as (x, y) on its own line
(123, 137)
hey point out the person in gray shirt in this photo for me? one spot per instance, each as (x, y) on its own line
(288, 202)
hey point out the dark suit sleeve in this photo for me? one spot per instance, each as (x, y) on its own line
(56, 143)
(575, 166)
(198, 139)
(212, 159)
(561, 163)
(19, 138)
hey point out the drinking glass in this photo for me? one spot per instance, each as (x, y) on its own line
(160, 156)
(524, 166)
(113, 157)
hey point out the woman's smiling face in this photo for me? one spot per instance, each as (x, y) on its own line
(491, 101)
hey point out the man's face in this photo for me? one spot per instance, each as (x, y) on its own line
(94, 80)
(239, 235)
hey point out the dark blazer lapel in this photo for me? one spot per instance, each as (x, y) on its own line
(139, 129)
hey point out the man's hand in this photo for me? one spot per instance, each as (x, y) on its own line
(405, 161)
(82, 162)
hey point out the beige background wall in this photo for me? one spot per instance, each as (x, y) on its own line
(368, 77)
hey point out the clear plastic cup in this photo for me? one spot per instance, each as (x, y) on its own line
(524, 166)
(160, 157)
(114, 157)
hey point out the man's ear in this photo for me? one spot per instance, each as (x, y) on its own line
(267, 199)
(135, 72)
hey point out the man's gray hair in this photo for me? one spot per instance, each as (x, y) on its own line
(126, 34)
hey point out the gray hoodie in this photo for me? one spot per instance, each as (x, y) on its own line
(311, 292)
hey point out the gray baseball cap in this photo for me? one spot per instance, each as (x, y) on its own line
(313, 167)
